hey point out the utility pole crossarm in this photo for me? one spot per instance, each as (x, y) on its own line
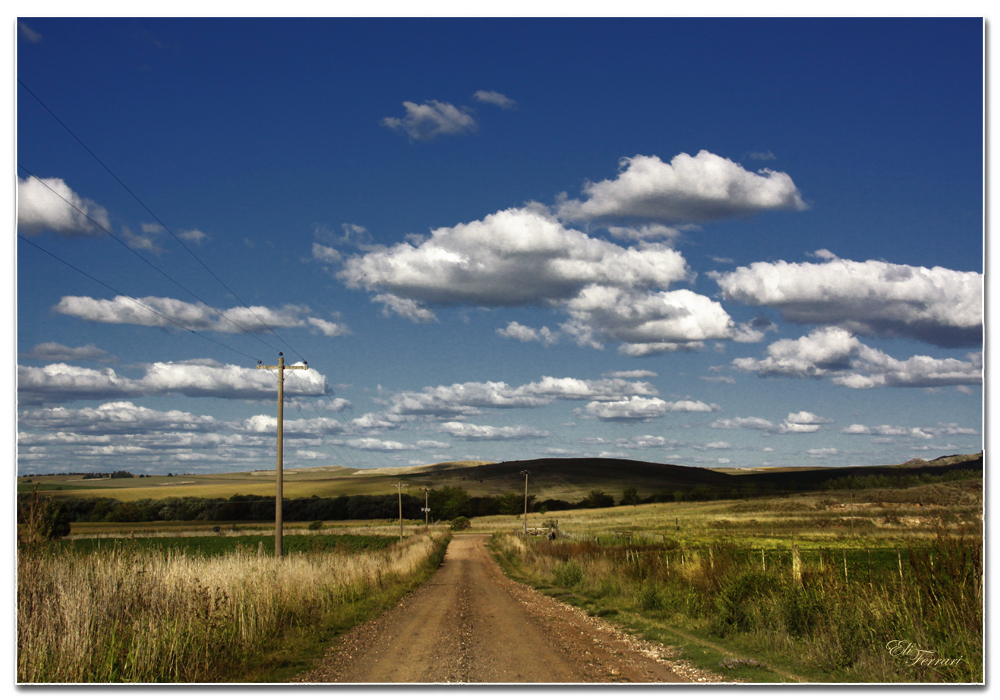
(278, 521)
(427, 510)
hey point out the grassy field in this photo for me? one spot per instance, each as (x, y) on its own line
(297, 483)
(811, 520)
(139, 614)
(566, 479)
(714, 577)
(720, 580)
(180, 528)
(207, 546)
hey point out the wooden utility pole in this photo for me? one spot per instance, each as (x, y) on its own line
(399, 487)
(427, 510)
(278, 522)
(526, 473)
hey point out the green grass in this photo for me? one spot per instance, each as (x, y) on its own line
(725, 604)
(216, 545)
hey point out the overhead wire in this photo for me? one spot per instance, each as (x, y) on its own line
(136, 253)
(133, 300)
(172, 234)
(151, 213)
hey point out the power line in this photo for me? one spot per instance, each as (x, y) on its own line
(136, 253)
(175, 237)
(165, 227)
(135, 301)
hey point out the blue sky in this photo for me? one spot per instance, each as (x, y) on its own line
(705, 242)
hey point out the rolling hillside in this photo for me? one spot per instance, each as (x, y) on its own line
(568, 479)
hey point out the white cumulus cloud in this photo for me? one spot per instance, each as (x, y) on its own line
(471, 397)
(468, 431)
(936, 305)
(165, 312)
(653, 322)
(704, 187)
(835, 354)
(801, 422)
(526, 334)
(48, 204)
(641, 408)
(514, 257)
(61, 382)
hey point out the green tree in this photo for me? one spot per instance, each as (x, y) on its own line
(598, 499)
(42, 519)
(449, 502)
(55, 521)
(630, 496)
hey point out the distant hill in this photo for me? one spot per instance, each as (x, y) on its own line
(569, 479)
(802, 478)
(572, 478)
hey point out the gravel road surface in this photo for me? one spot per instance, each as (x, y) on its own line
(471, 624)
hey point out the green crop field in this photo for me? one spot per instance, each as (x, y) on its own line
(207, 545)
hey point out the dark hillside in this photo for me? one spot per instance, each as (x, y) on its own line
(573, 478)
(564, 477)
(812, 479)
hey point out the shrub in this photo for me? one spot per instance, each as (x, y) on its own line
(55, 521)
(43, 519)
(738, 606)
(567, 574)
(649, 597)
(316, 525)
(802, 609)
(461, 523)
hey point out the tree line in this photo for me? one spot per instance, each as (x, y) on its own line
(445, 503)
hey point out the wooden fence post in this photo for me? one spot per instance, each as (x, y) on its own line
(796, 565)
(844, 551)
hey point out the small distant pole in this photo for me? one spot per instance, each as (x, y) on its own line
(399, 487)
(526, 474)
(852, 514)
(279, 478)
(427, 510)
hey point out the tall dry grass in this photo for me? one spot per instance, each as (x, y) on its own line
(132, 615)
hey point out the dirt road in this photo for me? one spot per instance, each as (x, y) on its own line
(471, 624)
